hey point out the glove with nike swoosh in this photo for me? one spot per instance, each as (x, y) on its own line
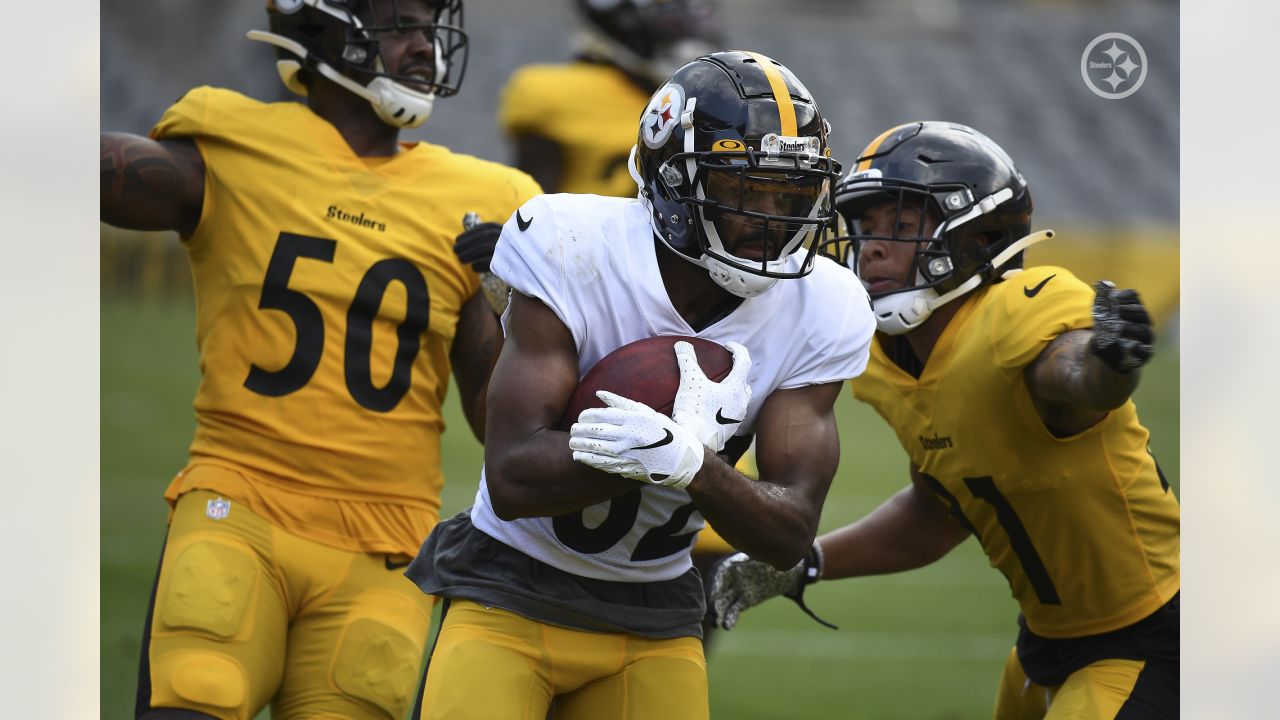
(1122, 334)
(635, 441)
(712, 410)
(739, 583)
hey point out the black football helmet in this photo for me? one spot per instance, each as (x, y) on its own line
(340, 39)
(733, 164)
(958, 179)
(649, 39)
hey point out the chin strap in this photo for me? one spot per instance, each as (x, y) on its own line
(999, 260)
(380, 101)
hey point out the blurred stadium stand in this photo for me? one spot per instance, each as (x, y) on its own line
(1103, 172)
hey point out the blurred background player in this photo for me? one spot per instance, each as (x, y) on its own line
(570, 579)
(572, 124)
(1010, 391)
(329, 310)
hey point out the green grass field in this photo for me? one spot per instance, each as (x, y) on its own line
(922, 645)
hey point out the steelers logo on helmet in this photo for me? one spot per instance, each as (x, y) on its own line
(662, 115)
(732, 162)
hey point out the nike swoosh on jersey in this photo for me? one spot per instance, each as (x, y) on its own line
(1032, 292)
(667, 438)
(524, 224)
(720, 418)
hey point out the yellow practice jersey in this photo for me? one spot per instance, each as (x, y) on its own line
(590, 109)
(327, 296)
(1084, 527)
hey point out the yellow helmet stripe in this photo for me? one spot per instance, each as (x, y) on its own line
(786, 110)
(873, 147)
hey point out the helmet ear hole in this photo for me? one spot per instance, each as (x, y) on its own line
(355, 54)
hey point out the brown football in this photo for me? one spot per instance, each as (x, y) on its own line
(645, 371)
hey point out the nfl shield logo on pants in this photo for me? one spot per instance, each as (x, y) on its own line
(217, 509)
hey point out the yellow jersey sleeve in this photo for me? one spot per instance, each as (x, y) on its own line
(327, 300)
(592, 111)
(186, 117)
(1032, 308)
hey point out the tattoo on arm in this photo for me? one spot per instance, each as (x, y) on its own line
(150, 185)
(1071, 387)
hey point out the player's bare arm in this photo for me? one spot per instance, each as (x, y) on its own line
(528, 465)
(475, 352)
(1084, 374)
(542, 158)
(909, 530)
(151, 185)
(1071, 388)
(775, 518)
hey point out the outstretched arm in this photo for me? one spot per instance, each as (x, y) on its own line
(910, 530)
(151, 185)
(528, 465)
(1084, 374)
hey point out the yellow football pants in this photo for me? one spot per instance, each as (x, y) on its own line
(490, 663)
(245, 614)
(1094, 692)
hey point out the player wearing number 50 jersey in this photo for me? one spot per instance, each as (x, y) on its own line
(1009, 390)
(330, 309)
(570, 578)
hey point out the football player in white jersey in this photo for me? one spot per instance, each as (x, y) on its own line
(570, 580)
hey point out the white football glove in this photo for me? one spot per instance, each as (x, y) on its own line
(712, 410)
(635, 441)
(740, 583)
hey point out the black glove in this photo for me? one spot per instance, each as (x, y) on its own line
(1122, 334)
(475, 245)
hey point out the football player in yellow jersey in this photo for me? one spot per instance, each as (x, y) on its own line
(625, 49)
(330, 309)
(1010, 391)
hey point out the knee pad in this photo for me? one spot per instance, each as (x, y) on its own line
(209, 587)
(381, 651)
(201, 681)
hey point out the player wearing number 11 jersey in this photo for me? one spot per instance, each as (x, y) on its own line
(330, 308)
(1009, 390)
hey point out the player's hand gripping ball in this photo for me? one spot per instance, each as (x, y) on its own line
(635, 441)
(1122, 333)
(621, 411)
(712, 410)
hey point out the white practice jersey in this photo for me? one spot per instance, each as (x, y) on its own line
(591, 260)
